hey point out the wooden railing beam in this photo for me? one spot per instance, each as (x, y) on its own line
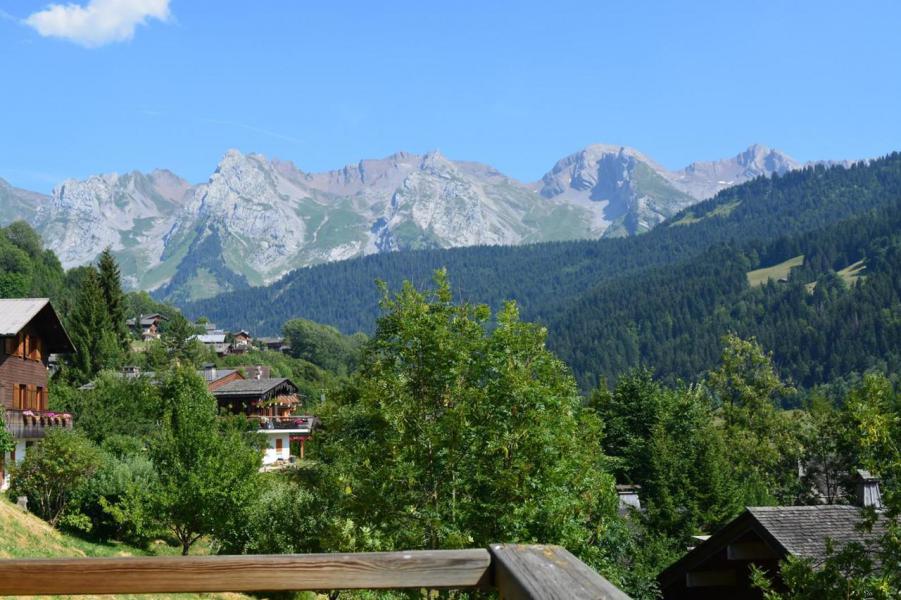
(295, 572)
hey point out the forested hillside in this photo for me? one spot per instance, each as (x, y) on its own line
(574, 285)
(837, 312)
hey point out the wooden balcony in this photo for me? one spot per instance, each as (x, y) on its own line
(518, 572)
(302, 423)
(33, 424)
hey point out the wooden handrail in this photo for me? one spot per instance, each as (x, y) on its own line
(545, 572)
(517, 572)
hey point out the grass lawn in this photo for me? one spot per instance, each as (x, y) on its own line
(23, 535)
(780, 271)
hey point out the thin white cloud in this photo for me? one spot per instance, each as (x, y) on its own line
(99, 22)
(268, 132)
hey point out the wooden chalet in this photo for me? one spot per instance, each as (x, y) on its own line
(30, 330)
(720, 567)
(274, 403)
(241, 342)
(147, 325)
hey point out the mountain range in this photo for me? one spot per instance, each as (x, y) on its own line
(256, 219)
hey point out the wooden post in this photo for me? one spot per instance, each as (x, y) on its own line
(547, 573)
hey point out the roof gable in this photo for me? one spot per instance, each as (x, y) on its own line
(18, 313)
(255, 387)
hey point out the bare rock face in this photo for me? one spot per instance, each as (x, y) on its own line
(18, 204)
(704, 179)
(255, 219)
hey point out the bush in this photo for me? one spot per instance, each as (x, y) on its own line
(53, 470)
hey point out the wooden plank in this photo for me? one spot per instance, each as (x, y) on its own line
(296, 572)
(524, 572)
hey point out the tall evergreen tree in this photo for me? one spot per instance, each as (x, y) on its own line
(96, 346)
(111, 286)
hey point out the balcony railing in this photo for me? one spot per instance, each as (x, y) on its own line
(301, 422)
(34, 423)
(517, 572)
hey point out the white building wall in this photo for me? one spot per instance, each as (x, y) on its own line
(8, 462)
(272, 454)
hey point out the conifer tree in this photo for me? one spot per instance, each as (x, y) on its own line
(111, 286)
(96, 347)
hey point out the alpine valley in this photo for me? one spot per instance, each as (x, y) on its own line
(256, 219)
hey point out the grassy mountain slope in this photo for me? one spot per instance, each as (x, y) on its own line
(26, 536)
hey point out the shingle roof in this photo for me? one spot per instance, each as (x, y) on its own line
(803, 530)
(250, 387)
(211, 338)
(16, 313)
(215, 374)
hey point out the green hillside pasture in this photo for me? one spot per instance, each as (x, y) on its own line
(761, 276)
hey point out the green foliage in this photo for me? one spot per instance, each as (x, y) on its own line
(96, 346)
(53, 470)
(763, 448)
(284, 520)
(177, 339)
(118, 406)
(7, 442)
(451, 435)
(667, 441)
(26, 269)
(323, 346)
(207, 472)
(113, 504)
(111, 286)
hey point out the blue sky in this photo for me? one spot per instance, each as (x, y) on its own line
(514, 84)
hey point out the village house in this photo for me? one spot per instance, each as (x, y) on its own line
(30, 330)
(720, 566)
(149, 325)
(274, 404)
(214, 340)
(241, 342)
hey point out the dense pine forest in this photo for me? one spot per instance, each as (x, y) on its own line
(664, 298)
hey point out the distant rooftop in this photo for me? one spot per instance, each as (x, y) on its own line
(254, 387)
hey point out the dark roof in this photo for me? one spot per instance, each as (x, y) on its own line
(788, 530)
(147, 319)
(17, 313)
(219, 373)
(803, 530)
(253, 387)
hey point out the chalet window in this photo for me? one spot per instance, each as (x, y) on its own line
(35, 347)
(40, 399)
(20, 392)
(9, 345)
